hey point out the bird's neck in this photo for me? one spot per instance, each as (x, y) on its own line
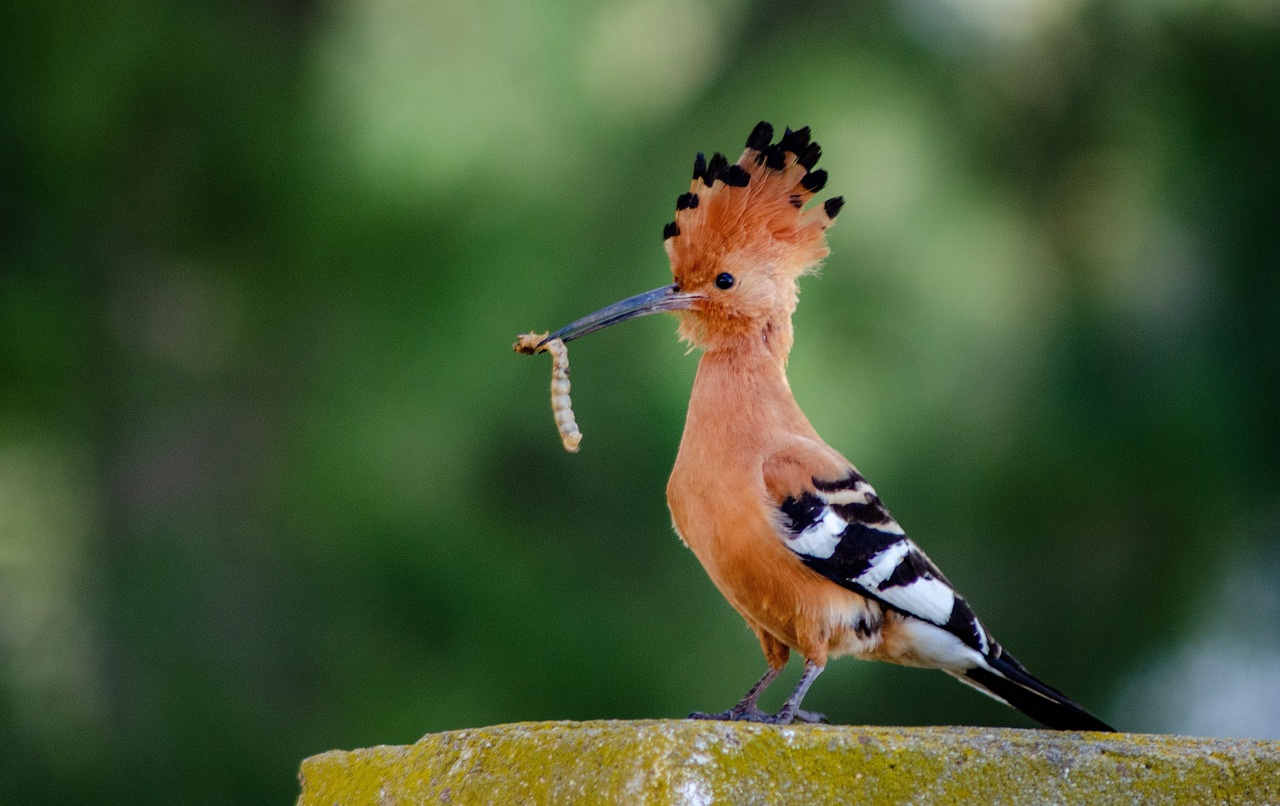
(741, 396)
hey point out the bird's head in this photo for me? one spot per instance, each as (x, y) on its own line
(741, 238)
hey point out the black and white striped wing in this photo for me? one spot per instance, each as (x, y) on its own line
(841, 530)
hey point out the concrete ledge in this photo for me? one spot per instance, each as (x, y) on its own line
(687, 762)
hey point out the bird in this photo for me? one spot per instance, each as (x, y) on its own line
(788, 530)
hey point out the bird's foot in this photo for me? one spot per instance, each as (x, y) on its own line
(753, 714)
(735, 714)
(811, 717)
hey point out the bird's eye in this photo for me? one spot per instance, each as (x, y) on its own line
(724, 281)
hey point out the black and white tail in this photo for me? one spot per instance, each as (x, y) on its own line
(1009, 682)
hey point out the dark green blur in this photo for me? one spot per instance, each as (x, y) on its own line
(272, 480)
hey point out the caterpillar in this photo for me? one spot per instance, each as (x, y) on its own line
(561, 405)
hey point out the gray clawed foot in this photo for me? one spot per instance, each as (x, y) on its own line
(746, 710)
(756, 715)
(734, 715)
(811, 717)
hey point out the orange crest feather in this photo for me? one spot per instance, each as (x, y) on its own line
(755, 206)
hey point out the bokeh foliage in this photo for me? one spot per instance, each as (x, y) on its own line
(272, 481)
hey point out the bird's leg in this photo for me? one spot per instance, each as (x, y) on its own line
(746, 709)
(791, 708)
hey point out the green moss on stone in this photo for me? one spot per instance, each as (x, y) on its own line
(689, 762)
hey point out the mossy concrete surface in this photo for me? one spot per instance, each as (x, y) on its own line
(689, 762)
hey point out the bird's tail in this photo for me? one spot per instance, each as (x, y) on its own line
(1008, 681)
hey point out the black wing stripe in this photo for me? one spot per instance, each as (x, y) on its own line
(849, 482)
(909, 569)
(871, 512)
(802, 512)
(858, 548)
(964, 625)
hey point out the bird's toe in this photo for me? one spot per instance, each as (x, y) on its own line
(811, 717)
(704, 715)
(756, 715)
(735, 715)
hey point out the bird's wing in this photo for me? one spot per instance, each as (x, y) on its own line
(840, 529)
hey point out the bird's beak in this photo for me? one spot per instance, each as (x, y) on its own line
(667, 298)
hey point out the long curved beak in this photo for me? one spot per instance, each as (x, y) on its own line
(667, 298)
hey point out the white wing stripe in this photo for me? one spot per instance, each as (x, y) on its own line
(861, 493)
(883, 564)
(821, 538)
(926, 598)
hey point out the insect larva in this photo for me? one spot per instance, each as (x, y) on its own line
(561, 405)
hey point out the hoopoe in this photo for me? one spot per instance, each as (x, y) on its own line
(792, 535)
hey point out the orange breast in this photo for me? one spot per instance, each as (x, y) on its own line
(742, 416)
(775, 592)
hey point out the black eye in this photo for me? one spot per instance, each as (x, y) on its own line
(724, 281)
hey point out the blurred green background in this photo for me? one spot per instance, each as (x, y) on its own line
(272, 481)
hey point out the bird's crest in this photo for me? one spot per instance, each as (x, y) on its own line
(755, 206)
(749, 221)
